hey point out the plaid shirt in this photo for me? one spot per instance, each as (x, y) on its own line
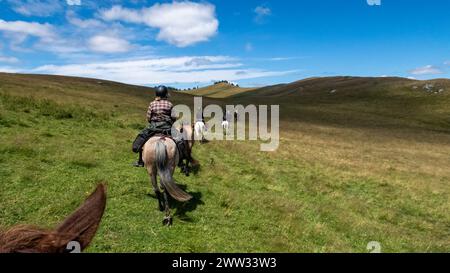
(160, 110)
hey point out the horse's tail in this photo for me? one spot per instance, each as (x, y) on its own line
(165, 174)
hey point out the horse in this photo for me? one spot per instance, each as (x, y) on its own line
(186, 131)
(225, 126)
(74, 234)
(160, 155)
(236, 115)
(200, 129)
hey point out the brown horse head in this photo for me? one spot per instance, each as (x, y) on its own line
(79, 227)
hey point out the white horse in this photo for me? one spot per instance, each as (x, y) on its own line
(199, 131)
(225, 126)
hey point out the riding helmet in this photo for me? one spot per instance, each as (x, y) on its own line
(161, 91)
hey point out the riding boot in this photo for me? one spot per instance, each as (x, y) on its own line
(138, 144)
(140, 162)
(140, 141)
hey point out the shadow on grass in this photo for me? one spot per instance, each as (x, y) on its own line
(191, 205)
(201, 142)
(195, 169)
(182, 208)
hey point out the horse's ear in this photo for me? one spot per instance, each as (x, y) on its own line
(82, 224)
(79, 227)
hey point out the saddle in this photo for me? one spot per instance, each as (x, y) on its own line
(164, 136)
(162, 130)
(147, 133)
(177, 139)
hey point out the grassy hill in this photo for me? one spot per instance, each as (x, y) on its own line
(219, 90)
(366, 162)
(360, 102)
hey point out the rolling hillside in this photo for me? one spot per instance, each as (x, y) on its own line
(350, 101)
(360, 160)
(360, 102)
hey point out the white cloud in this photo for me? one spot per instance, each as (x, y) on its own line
(42, 8)
(261, 13)
(426, 70)
(74, 2)
(8, 70)
(374, 2)
(61, 46)
(206, 62)
(87, 23)
(279, 59)
(10, 60)
(447, 63)
(179, 23)
(187, 69)
(80, 36)
(22, 28)
(117, 13)
(108, 44)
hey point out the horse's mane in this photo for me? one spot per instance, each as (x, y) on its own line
(80, 226)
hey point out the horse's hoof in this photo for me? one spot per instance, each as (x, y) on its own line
(161, 208)
(167, 221)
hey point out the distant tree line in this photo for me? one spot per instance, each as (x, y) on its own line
(227, 82)
(215, 83)
(189, 89)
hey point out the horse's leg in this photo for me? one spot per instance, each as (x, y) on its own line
(198, 133)
(191, 159)
(199, 136)
(184, 161)
(194, 162)
(187, 168)
(156, 190)
(167, 221)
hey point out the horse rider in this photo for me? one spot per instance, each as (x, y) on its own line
(161, 117)
(199, 116)
(227, 116)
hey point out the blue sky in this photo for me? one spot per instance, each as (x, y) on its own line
(251, 42)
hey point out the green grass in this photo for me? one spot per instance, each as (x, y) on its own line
(347, 171)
